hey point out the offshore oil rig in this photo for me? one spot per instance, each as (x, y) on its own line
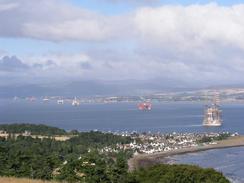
(145, 106)
(212, 116)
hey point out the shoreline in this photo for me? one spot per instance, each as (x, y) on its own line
(146, 160)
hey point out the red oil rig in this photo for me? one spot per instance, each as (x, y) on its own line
(145, 106)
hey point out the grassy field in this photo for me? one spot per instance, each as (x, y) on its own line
(22, 180)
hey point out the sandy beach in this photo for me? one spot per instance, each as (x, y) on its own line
(144, 160)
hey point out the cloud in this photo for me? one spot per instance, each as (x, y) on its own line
(86, 65)
(182, 27)
(3, 53)
(55, 20)
(47, 64)
(193, 43)
(11, 64)
(172, 28)
(7, 6)
(193, 26)
(55, 67)
(133, 1)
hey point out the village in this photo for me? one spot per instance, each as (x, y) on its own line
(149, 143)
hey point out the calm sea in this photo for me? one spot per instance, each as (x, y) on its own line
(165, 117)
(229, 161)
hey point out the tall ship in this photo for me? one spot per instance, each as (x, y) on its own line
(212, 114)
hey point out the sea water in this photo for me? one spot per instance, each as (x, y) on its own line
(229, 161)
(164, 117)
(118, 117)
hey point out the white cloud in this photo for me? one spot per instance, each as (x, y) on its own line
(188, 27)
(86, 30)
(195, 42)
(55, 20)
(57, 65)
(7, 6)
(133, 1)
(3, 53)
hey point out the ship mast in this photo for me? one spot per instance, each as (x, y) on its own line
(212, 116)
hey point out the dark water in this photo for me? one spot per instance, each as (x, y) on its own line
(229, 161)
(165, 117)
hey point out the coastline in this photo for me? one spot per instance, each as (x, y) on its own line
(146, 160)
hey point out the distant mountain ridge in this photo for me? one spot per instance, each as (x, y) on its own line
(103, 88)
(88, 88)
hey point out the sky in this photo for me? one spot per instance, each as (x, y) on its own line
(174, 43)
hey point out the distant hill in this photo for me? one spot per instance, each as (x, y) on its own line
(33, 128)
(92, 88)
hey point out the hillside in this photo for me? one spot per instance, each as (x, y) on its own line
(91, 157)
(21, 180)
(34, 129)
(165, 173)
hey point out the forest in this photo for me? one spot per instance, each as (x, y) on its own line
(81, 159)
(38, 129)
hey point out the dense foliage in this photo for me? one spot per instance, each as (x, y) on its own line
(206, 139)
(77, 159)
(83, 159)
(99, 139)
(34, 129)
(177, 174)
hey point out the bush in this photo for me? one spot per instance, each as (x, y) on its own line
(177, 174)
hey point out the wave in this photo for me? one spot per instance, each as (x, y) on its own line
(180, 126)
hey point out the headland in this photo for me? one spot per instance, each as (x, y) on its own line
(145, 160)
